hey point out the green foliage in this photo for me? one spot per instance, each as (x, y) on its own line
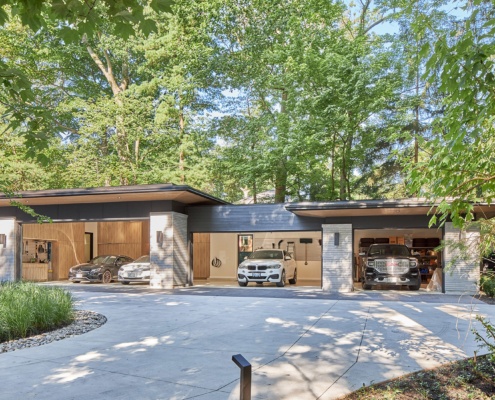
(458, 163)
(487, 283)
(486, 340)
(27, 309)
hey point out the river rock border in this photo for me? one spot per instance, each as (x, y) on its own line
(84, 321)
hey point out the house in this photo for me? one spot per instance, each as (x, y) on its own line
(192, 236)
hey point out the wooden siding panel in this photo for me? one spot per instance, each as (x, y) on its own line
(122, 237)
(201, 255)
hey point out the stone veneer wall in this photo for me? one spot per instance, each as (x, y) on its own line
(7, 254)
(463, 276)
(337, 260)
(169, 253)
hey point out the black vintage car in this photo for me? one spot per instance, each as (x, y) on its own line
(99, 269)
(390, 265)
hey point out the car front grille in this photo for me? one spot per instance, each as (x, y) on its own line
(392, 266)
(257, 267)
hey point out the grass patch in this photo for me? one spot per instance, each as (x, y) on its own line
(28, 309)
(473, 378)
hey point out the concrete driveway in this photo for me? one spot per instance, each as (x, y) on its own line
(302, 344)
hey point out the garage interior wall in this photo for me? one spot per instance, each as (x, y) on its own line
(67, 244)
(224, 247)
(130, 238)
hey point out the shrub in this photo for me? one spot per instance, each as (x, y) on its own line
(487, 283)
(28, 309)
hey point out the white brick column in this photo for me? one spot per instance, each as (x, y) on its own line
(8, 254)
(463, 276)
(169, 253)
(337, 258)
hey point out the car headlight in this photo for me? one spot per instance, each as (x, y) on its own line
(413, 263)
(276, 266)
(371, 264)
(95, 270)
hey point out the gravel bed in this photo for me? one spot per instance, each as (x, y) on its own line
(84, 321)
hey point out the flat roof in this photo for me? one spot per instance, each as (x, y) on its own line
(109, 194)
(414, 206)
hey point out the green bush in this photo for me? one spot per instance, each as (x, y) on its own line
(28, 309)
(487, 284)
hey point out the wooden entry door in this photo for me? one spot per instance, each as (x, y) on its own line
(201, 255)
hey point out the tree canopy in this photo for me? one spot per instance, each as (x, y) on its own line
(307, 100)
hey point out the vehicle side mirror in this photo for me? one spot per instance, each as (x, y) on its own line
(245, 257)
(362, 254)
(287, 258)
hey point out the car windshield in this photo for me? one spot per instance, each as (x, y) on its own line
(266, 255)
(143, 259)
(101, 260)
(388, 250)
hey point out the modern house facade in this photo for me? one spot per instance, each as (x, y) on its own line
(192, 236)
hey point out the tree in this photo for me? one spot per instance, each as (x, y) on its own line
(458, 171)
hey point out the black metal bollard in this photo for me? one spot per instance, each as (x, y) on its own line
(245, 367)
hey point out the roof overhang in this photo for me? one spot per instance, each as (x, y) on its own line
(364, 208)
(111, 194)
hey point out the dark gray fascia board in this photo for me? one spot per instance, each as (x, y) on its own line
(356, 204)
(50, 193)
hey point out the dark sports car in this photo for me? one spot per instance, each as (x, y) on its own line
(99, 269)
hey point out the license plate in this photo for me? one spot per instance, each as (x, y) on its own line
(79, 275)
(131, 275)
(256, 275)
(391, 280)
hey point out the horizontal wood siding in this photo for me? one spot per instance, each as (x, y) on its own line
(122, 237)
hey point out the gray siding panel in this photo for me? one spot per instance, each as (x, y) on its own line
(95, 211)
(249, 218)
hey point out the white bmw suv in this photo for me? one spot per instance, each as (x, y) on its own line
(276, 266)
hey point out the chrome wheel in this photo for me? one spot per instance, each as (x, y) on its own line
(282, 280)
(107, 277)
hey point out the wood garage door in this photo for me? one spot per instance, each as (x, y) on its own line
(201, 255)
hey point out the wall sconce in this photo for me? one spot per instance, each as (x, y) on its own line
(336, 238)
(159, 236)
(3, 240)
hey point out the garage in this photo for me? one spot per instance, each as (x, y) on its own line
(49, 250)
(217, 255)
(421, 242)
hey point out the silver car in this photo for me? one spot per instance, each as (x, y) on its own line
(276, 266)
(137, 271)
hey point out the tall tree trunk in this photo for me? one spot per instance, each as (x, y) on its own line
(182, 156)
(281, 169)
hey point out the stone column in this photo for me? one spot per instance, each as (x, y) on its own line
(8, 253)
(168, 250)
(461, 275)
(337, 258)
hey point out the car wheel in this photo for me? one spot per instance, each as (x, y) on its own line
(76, 281)
(106, 277)
(242, 284)
(415, 287)
(125, 283)
(282, 280)
(366, 287)
(293, 281)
